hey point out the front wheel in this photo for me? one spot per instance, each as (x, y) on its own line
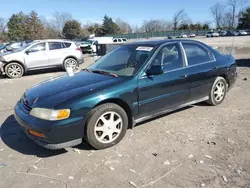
(106, 126)
(14, 70)
(218, 92)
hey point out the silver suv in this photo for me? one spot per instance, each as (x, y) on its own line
(40, 55)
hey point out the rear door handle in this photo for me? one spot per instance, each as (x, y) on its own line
(183, 76)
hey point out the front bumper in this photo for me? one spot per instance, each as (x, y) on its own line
(57, 134)
(2, 68)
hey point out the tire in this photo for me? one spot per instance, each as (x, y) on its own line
(96, 133)
(71, 62)
(14, 70)
(216, 99)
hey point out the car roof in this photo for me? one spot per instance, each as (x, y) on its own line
(159, 42)
(54, 40)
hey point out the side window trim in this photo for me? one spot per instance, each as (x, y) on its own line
(203, 47)
(183, 60)
(184, 56)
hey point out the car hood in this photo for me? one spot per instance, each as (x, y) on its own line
(52, 92)
(9, 54)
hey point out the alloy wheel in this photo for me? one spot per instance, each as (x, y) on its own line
(108, 127)
(15, 71)
(219, 91)
(72, 64)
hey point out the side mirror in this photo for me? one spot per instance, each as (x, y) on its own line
(27, 52)
(155, 70)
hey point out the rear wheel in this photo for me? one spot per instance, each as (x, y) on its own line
(14, 70)
(71, 62)
(106, 126)
(218, 92)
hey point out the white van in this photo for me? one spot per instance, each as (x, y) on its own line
(99, 40)
(120, 40)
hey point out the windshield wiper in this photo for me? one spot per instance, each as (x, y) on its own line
(87, 70)
(105, 72)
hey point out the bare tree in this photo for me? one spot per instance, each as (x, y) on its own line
(155, 25)
(49, 30)
(235, 5)
(179, 18)
(59, 19)
(136, 29)
(3, 25)
(166, 25)
(124, 26)
(226, 21)
(217, 11)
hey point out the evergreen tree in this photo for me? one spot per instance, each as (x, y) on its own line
(72, 29)
(244, 20)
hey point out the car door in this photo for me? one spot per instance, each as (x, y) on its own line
(201, 69)
(36, 56)
(165, 91)
(56, 53)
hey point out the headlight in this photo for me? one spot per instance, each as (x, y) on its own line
(49, 114)
(2, 59)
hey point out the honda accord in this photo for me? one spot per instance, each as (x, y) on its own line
(132, 83)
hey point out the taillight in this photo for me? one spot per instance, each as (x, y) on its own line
(78, 48)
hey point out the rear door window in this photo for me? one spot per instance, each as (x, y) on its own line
(67, 44)
(197, 54)
(56, 45)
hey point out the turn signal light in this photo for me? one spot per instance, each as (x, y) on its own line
(62, 114)
(34, 133)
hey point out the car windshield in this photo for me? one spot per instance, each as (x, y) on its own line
(24, 46)
(123, 61)
(89, 41)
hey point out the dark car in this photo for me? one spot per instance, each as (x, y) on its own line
(222, 33)
(132, 83)
(231, 33)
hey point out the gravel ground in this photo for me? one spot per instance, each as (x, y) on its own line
(199, 146)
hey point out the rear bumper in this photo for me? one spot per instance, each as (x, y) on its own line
(81, 60)
(232, 80)
(57, 134)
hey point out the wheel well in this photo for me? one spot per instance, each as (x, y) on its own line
(125, 107)
(226, 78)
(70, 57)
(24, 68)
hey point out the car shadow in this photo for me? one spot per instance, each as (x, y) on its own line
(13, 136)
(37, 72)
(43, 71)
(243, 62)
(164, 115)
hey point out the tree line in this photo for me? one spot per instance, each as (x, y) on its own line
(21, 26)
(227, 15)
